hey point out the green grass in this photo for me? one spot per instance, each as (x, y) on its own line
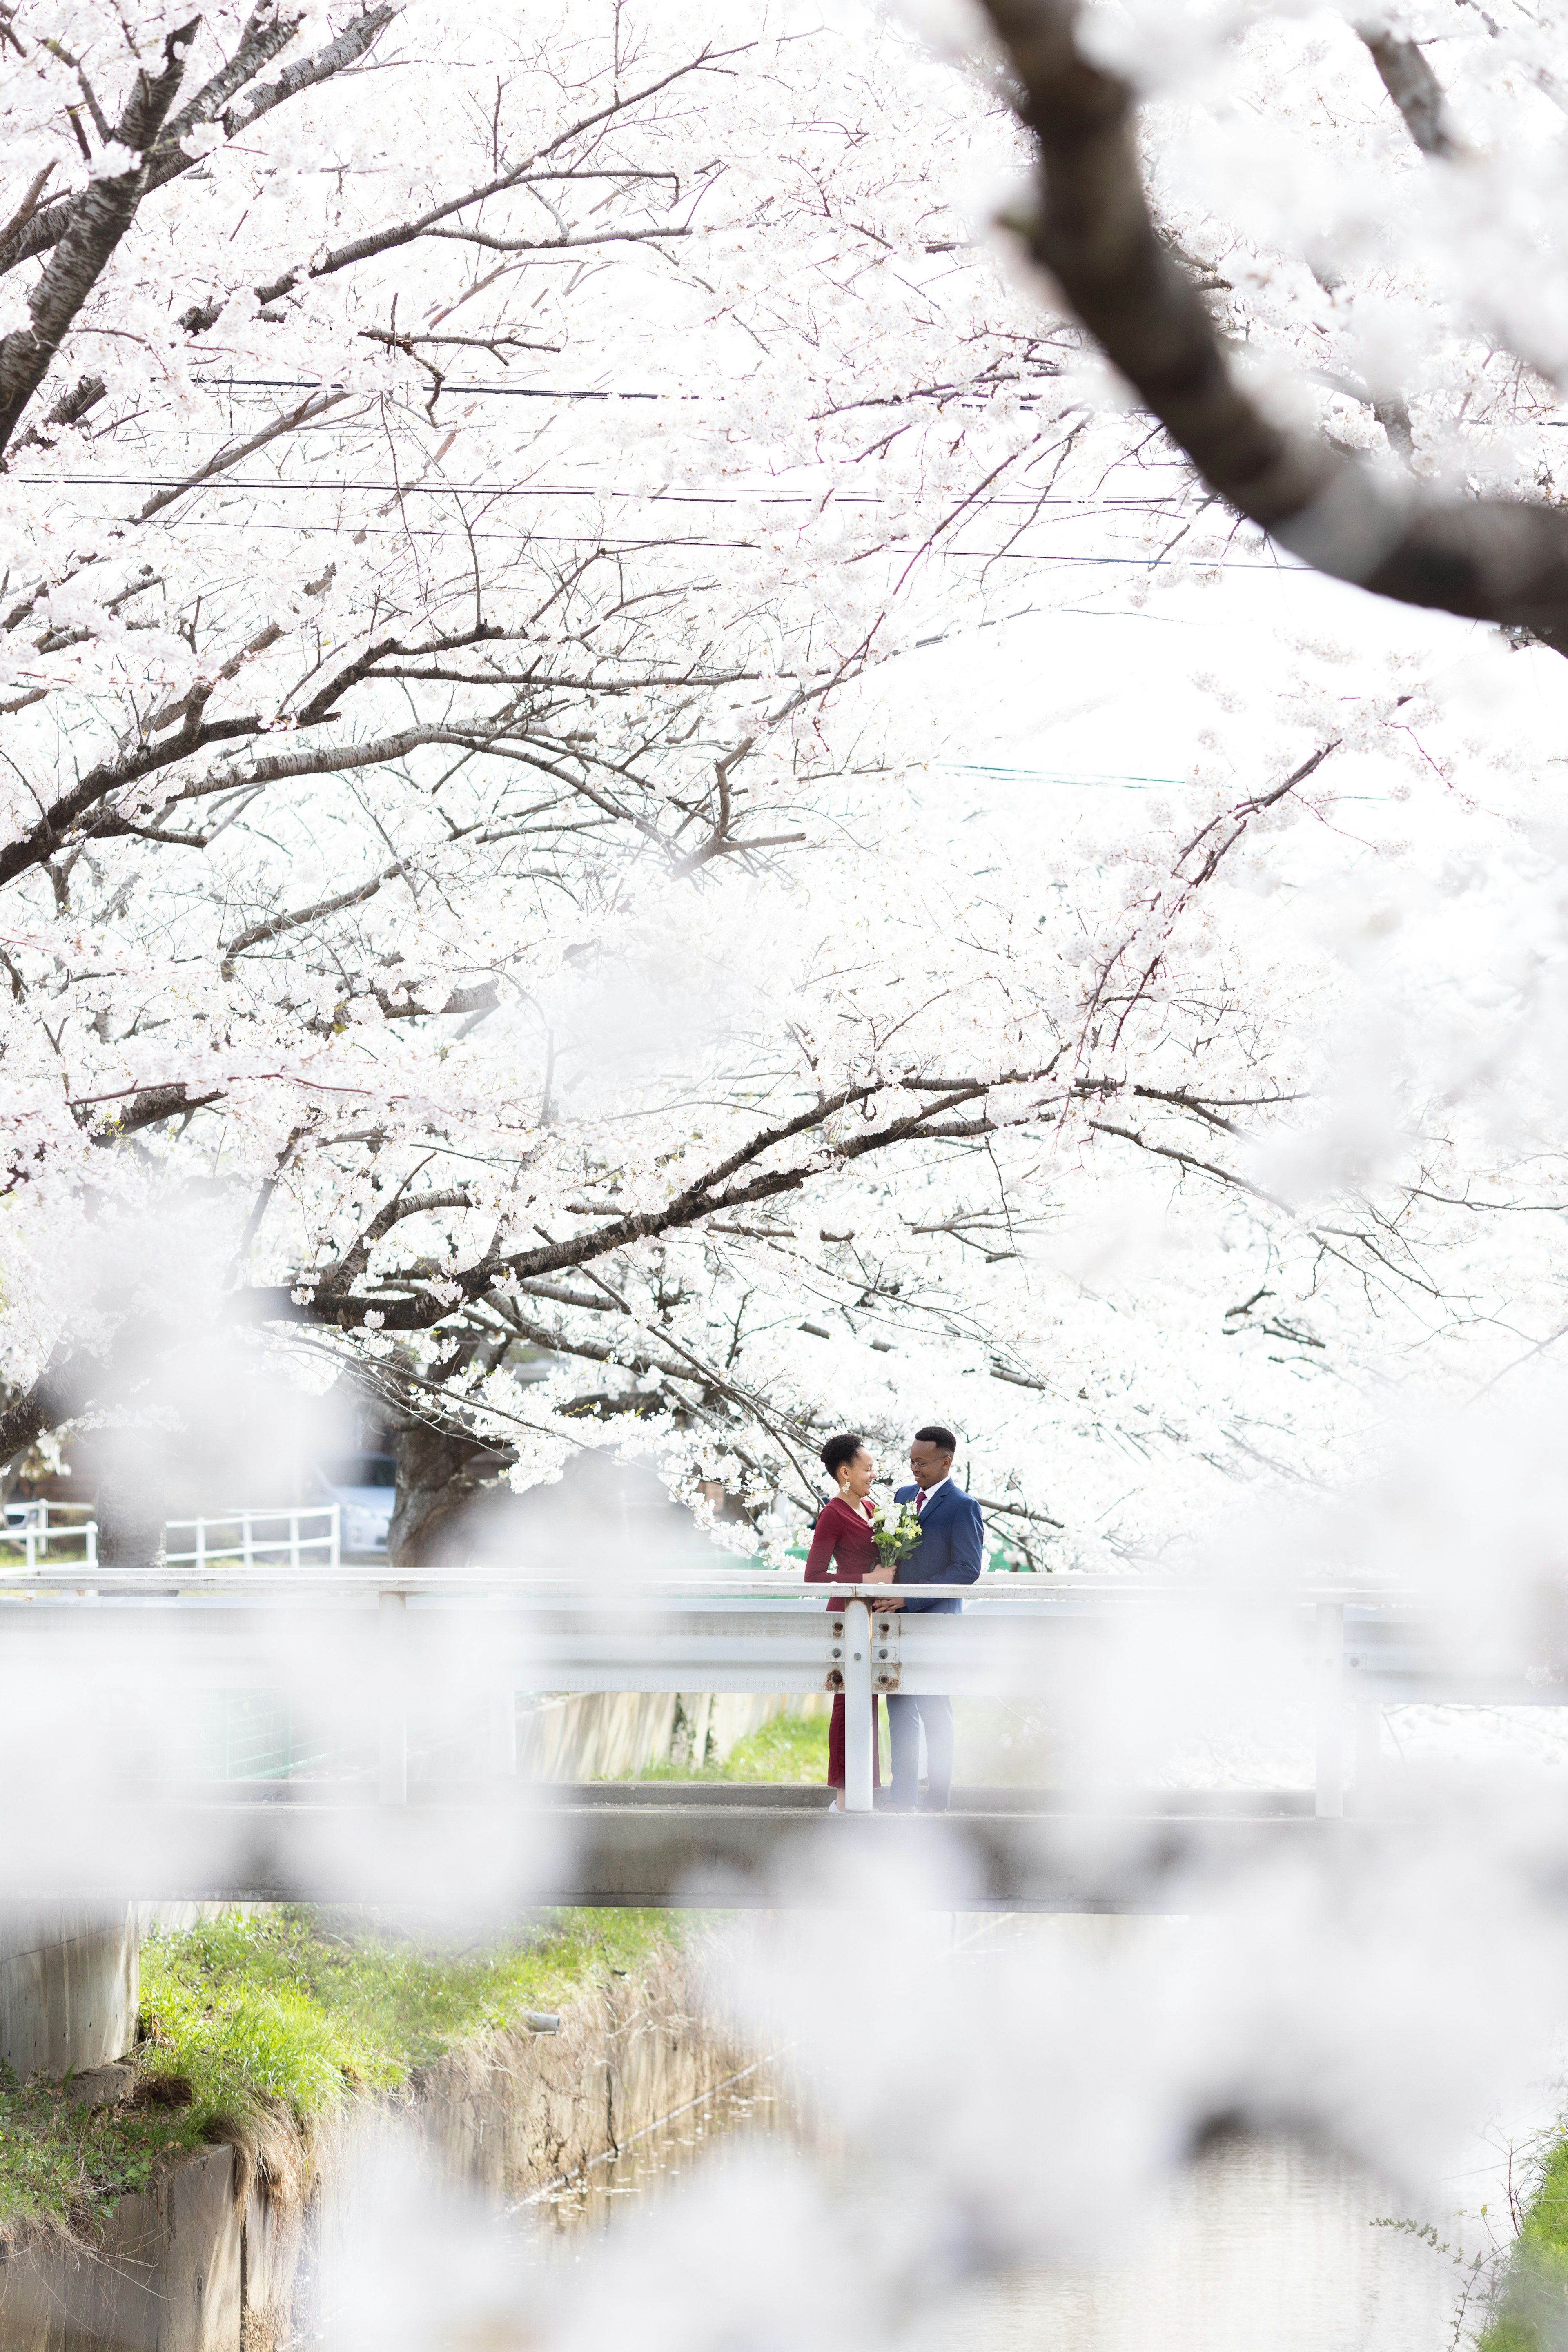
(1530, 2306)
(285, 2014)
(790, 1748)
(63, 2167)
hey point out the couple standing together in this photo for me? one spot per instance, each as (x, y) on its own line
(948, 1551)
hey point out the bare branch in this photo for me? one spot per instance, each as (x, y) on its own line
(277, 926)
(316, 405)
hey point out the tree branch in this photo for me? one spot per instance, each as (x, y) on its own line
(35, 232)
(94, 224)
(316, 405)
(277, 926)
(1485, 559)
(1416, 91)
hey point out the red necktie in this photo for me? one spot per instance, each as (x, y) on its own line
(919, 1502)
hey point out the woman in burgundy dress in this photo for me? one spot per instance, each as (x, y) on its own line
(842, 1552)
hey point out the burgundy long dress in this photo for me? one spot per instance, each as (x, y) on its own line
(842, 1552)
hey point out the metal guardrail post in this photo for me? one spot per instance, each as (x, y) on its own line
(857, 1707)
(1330, 1629)
(394, 1613)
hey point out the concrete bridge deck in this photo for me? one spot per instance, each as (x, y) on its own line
(692, 1846)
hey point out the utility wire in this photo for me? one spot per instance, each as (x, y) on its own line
(838, 501)
(614, 546)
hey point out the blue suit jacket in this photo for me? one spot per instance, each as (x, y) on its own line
(950, 1550)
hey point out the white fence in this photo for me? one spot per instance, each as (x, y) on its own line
(301, 1538)
(51, 1535)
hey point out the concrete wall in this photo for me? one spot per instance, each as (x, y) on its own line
(69, 1985)
(167, 2277)
(214, 2259)
(600, 1735)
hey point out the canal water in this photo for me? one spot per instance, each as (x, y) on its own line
(1264, 2246)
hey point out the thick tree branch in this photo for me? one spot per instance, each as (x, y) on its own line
(62, 815)
(1485, 560)
(32, 232)
(63, 1389)
(1416, 91)
(94, 223)
(712, 1194)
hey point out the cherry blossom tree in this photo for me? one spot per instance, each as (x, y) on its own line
(488, 914)
(329, 756)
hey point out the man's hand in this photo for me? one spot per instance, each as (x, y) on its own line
(890, 1603)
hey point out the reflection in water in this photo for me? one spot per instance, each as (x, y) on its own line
(749, 2107)
(1265, 2246)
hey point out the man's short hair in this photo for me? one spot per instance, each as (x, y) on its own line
(839, 1452)
(942, 1439)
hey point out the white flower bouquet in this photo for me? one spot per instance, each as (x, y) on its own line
(895, 1531)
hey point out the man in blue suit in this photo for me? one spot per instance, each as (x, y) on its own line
(949, 1552)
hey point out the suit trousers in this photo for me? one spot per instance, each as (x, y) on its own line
(906, 1710)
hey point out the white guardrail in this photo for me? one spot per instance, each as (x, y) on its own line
(66, 1534)
(387, 1633)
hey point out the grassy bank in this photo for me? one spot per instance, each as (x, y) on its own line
(1529, 2305)
(790, 1748)
(247, 2022)
(1002, 1743)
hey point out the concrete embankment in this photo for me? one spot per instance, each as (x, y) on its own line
(232, 2249)
(68, 1985)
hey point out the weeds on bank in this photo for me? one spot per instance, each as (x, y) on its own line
(303, 2006)
(790, 1748)
(245, 2021)
(1529, 2303)
(63, 2166)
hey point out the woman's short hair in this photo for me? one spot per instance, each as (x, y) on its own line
(839, 1452)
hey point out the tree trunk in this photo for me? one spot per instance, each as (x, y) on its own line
(130, 1509)
(438, 1478)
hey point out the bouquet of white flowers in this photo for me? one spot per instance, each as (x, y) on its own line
(895, 1531)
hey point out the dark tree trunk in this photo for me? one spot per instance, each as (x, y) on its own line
(130, 1509)
(439, 1473)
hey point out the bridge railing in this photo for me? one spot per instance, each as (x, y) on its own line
(386, 1632)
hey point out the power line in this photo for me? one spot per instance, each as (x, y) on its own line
(838, 500)
(420, 392)
(618, 546)
(492, 391)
